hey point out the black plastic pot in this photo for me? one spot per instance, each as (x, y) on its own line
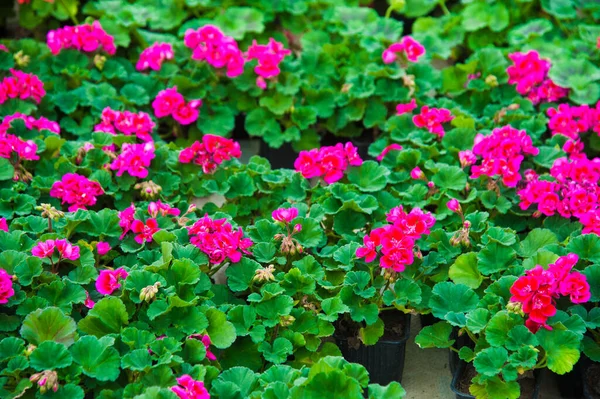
(461, 395)
(282, 157)
(384, 361)
(570, 385)
(588, 393)
(459, 342)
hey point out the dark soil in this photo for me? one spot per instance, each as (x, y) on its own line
(393, 330)
(592, 376)
(527, 384)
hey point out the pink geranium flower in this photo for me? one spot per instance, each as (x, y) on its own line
(43, 249)
(154, 56)
(6, 287)
(144, 231)
(76, 190)
(408, 46)
(189, 388)
(103, 247)
(285, 215)
(86, 37)
(88, 303)
(406, 108)
(108, 280)
(3, 224)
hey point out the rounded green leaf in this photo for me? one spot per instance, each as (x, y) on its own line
(464, 271)
(97, 358)
(49, 324)
(369, 177)
(50, 356)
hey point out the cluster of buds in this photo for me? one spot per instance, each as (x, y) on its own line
(51, 213)
(462, 236)
(515, 307)
(149, 293)
(148, 189)
(289, 245)
(183, 220)
(46, 380)
(264, 274)
(21, 59)
(286, 321)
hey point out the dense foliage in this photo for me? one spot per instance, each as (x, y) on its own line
(141, 258)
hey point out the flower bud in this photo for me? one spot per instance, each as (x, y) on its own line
(265, 274)
(21, 59)
(148, 293)
(467, 225)
(99, 61)
(286, 321)
(454, 206)
(298, 228)
(491, 81)
(417, 174)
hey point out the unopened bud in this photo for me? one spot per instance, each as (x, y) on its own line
(148, 189)
(21, 59)
(285, 321)
(265, 274)
(491, 81)
(298, 228)
(50, 212)
(467, 224)
(29, 350)
(148, 293)
(99, 61)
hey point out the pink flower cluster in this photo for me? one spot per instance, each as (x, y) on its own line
(103, 247)
(433, 119)
(126, 122)
(211, 152)
(269, 56)
(575, 191)
(108, 280)
(408, 46)
(21, 85)
(571, 121)
(11, 144)
(530, 74)
(330, 162)
(66, 250)
(502, 153)
(171, 102)
(144, 230)
(77, 191)
(189, 388)
(134, 159)
(154, 56)
(210, 44)
(6, 287)
(126, 216)
(539, 289)
(396, 241)
(218, 240)
(284, 215)
(85, 37)
(3, 224)
(30, 123)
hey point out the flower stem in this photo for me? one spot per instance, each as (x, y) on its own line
(72, 16)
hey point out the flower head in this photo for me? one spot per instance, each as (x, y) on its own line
(285, 215)
(6, 287)
(108, 280)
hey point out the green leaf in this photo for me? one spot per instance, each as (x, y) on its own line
(183, 272)
(240, 275)
(451, 301)
(50, 356)
(499, 326)
(137, 360)
(561, 9)
(369, 177)
(49, 324)
(587, 246)
(311, 234)
(240, 185)
(464, 271)
(450, 178)
(490, 361)
(593, 278)
(536, 240)
(495, 257)
(237, 21)
(370, 334)
(477, 319)
(518, 337)
(221, 332)
(135, 94)
(7, 171)
(11, 347)
(435, 336)
(278, 352)
(97, 358)
(562, 349)
(108, 316)
(391, 391)
(238, 380)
